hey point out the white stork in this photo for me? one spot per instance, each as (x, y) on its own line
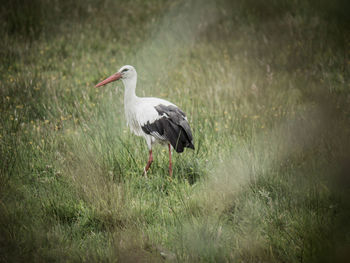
(157, 120)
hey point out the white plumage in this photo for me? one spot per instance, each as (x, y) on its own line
(140, 111)
(155, 119)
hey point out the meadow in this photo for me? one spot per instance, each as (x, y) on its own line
(265, 85)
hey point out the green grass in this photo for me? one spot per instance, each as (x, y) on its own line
(266, 88)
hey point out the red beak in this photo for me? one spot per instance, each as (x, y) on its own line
(112, 78)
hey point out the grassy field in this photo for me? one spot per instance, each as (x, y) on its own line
(266, 88)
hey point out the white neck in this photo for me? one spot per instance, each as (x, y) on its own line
(130, 86)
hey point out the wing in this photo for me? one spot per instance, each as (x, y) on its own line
(169, 124)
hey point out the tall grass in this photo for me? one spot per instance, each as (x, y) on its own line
(266, 89)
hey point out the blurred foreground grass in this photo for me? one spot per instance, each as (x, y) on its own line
(266, 88)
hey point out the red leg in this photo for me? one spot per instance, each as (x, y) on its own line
(148, 165)
(170, 165)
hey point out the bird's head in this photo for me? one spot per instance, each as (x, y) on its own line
(124, 73)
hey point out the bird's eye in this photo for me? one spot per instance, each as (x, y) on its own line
(125, 70)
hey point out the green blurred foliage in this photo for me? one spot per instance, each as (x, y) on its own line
(265, 85)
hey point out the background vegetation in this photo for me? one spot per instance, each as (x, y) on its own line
(266, 87)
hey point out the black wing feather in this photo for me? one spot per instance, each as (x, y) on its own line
(173, 126)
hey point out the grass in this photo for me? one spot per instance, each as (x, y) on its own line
(266, 89)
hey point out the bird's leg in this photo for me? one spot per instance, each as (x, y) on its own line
(148, 165)
(170, 165)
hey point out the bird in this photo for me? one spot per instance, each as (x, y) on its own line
(157, 120)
